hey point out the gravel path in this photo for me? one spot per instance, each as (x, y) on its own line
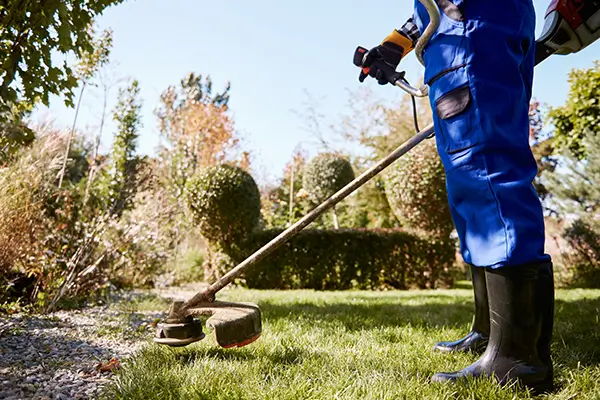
(60, 355)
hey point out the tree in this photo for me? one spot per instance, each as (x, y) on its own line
(285, 203)
(542, 146)
(580, 116)
(378, 128)
(574, 180)
(369, 207)
(313, 122)
(574, 177)
(575, 187)
(106, 81)
(90, 63)
(30, 32)
(197, 128)
(14, 132)
(123, 169)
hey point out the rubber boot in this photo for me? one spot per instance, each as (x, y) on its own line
(477, 339)
(515, 296)
(545, 304)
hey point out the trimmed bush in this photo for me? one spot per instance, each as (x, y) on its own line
(325, 175)
(415, 187)
(225, 203)
(350, 259)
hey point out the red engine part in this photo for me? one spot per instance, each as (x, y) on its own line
(574, 12)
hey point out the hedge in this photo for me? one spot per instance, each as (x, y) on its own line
(350, 259)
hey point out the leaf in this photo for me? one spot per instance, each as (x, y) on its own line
(111, 366)
(58, 26)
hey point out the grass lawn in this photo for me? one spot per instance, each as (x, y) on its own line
(357, 345)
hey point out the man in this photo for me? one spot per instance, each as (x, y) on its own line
(479, 69)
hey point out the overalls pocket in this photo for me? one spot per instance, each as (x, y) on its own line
(455, 111)
(446, 50)
(447, 58)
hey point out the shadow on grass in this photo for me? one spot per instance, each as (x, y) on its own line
(278, 356)
(576, 335)
(437, 312)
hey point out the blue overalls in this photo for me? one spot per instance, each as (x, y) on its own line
(479, 68)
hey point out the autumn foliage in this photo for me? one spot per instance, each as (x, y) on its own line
(194, 120)
(204, 129)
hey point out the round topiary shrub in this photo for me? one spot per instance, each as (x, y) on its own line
(325, 175)
(415, 187)
(225, 203)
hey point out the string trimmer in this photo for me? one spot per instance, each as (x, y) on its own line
(239, 324)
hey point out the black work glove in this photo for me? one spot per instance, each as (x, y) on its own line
(390, 52)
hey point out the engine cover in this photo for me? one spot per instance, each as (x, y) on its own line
(571, 25)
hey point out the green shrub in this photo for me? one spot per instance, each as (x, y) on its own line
(325, 175)
(185, 266)
(350, 259)
(41, 227)
(50, 235)
(583, 259)
(218, 262)
(225, 203)
(139, 244)
(415, 187)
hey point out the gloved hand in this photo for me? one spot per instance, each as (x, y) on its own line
(391, 51)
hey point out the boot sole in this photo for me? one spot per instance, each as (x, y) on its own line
(476, 349)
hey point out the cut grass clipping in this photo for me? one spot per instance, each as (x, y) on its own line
(356, 345)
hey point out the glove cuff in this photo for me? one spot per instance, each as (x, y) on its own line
(399, 40)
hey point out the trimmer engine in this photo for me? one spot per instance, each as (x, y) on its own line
(570, 26)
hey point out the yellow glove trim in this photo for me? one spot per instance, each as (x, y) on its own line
(400, 40)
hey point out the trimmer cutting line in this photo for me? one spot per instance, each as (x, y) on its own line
(571, 25)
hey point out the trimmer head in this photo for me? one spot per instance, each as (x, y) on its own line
(235, 325)
(178, 334)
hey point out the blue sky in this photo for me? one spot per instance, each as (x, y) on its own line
(273, 53)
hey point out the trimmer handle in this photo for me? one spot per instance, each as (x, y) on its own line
(395, 78)
(359, 55)
(388, 72)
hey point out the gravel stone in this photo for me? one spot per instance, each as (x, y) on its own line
(55, 356)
